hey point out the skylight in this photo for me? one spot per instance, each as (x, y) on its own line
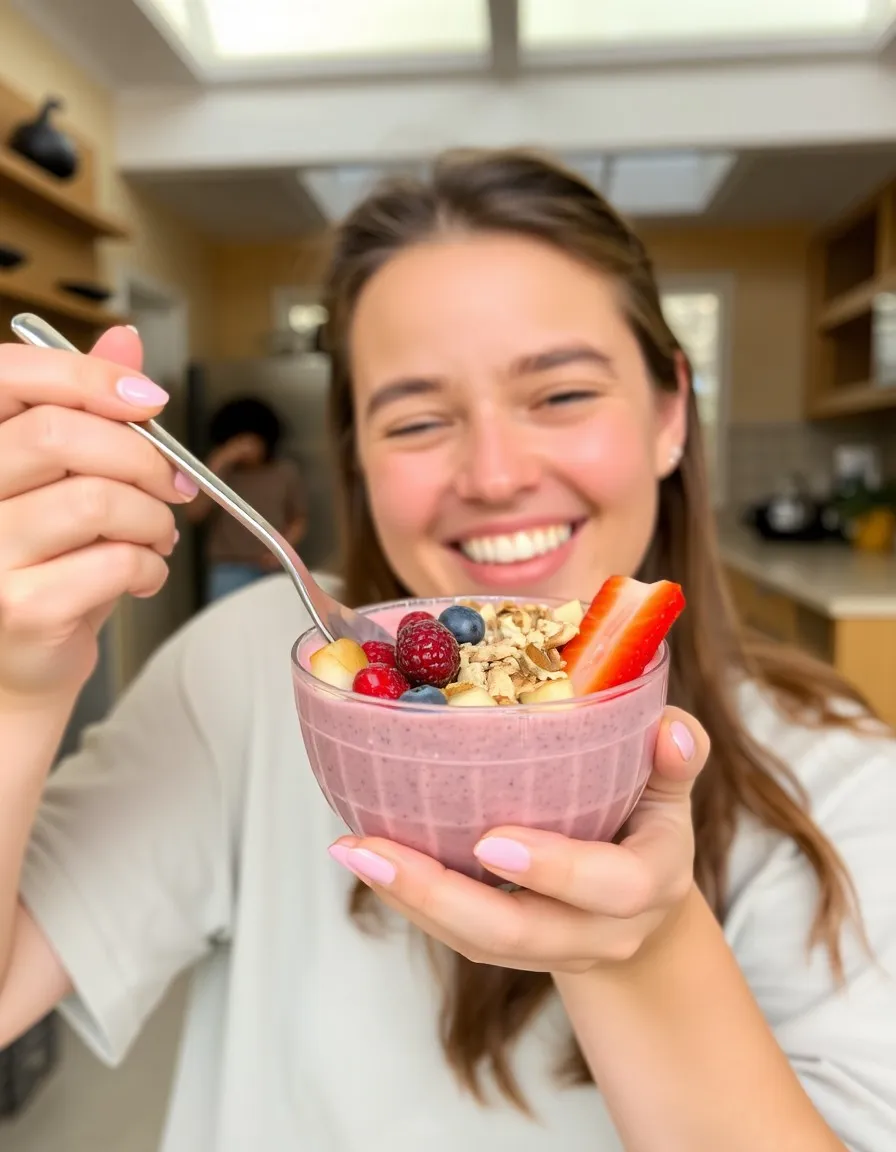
(565, 24)
(343, 29)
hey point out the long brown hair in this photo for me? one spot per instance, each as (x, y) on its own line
(484, 1008)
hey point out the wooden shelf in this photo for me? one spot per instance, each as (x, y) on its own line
(852, 270)
(848, 306)
(852, 400)
(21, 181)
(51, 303)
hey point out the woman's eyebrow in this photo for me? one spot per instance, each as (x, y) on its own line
(400, 390)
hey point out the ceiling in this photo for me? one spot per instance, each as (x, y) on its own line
(223, 103)
(811, 186)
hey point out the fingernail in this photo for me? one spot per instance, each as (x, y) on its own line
(185, 485)
(133, 328)
(369, 866)
(505, 855)
(682, 739)
(139, 390)
(176, 536)
(339, 852)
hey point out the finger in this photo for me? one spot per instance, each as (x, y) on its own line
(48, 599)
(606, 879)
(682, 749)
(479, 921)
(76, 512)
(120, 345)
(48, 442)
(30, 376)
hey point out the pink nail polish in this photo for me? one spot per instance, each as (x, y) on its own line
(503, 854)
(369, 866)
(682, 739)
(339, 852)
(140, 391)
(185, 485)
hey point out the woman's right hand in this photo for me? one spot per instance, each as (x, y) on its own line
(84, 508)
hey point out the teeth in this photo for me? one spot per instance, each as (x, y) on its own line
(516, 548)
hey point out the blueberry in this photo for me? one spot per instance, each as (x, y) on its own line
(465, 624)
(424, 694)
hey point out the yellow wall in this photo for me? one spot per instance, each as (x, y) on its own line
(163, 249)
(768, 326)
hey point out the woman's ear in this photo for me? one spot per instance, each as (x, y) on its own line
(672, 420)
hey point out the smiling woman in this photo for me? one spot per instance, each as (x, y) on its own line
(512, 413)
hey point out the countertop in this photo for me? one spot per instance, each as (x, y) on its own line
(833, 579)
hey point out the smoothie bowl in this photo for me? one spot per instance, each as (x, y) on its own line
(507, 738)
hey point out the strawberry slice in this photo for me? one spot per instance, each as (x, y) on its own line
(621, 632)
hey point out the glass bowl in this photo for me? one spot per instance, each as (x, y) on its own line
(437, 778)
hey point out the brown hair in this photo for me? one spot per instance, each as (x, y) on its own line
(484, 1008)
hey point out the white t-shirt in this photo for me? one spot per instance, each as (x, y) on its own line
(189, 830)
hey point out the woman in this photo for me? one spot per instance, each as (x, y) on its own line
(724, 974)
(245, 435)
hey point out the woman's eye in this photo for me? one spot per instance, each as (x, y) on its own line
(557, 399)
(413, 429)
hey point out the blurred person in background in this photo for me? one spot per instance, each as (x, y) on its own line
(246, 434)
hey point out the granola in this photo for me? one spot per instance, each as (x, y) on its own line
(522, 649)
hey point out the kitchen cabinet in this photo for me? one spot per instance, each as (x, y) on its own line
(862, 649)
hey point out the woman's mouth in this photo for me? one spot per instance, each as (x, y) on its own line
(515, 548)
(520, 557)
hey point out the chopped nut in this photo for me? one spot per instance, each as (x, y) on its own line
(505, 700)
(499, 682)
(566, 633)
(536, 639)
(472, 674)
(557, 661)
(457, 688)
(537, 657)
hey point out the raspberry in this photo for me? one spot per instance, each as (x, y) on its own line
(381, 681)
(378, 652)
(413, 618)
(428, 653)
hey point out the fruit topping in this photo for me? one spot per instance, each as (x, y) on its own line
(378, 652)
(381, 681)
(621, 632)
(470, 696)
(414, 618)
(424, 694)
(427, 653)
(465, 624)
(548, 691)
(338, 663)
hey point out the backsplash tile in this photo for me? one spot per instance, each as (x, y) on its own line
(759, 455)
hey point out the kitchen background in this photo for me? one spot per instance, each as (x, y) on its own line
(218, 143)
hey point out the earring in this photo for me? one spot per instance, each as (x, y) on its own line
(675, 457)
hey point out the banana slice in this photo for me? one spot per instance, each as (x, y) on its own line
(549, 691)
(338, 663)
(472, 697)
(570, 613)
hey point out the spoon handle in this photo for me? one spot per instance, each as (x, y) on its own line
(32, 330)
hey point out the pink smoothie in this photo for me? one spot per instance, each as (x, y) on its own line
(436, 778)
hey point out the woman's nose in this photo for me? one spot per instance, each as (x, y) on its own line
(500, 461)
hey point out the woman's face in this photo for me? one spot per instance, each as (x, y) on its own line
(510, 438)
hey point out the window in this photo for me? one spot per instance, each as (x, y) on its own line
(697, 312)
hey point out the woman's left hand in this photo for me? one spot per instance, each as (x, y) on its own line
(581, 904)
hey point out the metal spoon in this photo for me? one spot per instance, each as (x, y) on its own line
(333, 619)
